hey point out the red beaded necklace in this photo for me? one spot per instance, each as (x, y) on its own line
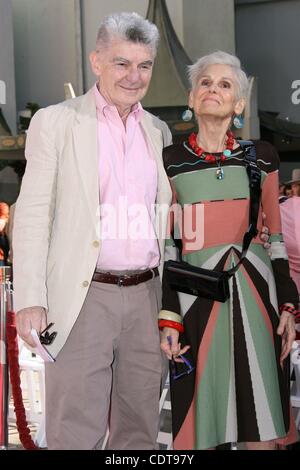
(208, 157)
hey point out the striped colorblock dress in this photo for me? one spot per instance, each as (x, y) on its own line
(238, 392)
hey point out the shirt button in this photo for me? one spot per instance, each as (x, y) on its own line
(96, 244)
(85, 284)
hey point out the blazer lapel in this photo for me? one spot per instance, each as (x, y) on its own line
(154, 136)
(164, 192)
(86, 151)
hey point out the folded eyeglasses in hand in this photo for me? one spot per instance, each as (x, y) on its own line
(47, 338)
(180, 369)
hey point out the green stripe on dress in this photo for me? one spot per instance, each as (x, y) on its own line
(277, 237)
(213, 390)
(201, 185)
(197, 258)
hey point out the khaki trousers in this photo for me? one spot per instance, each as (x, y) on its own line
(108, 372)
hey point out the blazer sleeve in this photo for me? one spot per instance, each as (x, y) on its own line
(167, 136)
(34, 213)
(170, 297)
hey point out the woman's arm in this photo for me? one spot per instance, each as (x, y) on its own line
(285, 287)
(287, 294)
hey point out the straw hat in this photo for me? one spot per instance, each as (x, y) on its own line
(295, 176)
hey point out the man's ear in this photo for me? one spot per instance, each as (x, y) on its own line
(94, 60)
(239, 106)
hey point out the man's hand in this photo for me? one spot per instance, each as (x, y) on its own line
(28, 318)
(287, 331)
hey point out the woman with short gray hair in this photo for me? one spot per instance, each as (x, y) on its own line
(221, 58)
(229, 374)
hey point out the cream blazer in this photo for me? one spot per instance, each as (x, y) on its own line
(57, 233)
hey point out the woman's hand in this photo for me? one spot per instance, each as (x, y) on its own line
(265, 233)
(169, 344)
(287, 331)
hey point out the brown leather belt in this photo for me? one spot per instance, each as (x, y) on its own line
(125, 279)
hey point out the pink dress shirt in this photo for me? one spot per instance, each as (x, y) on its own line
(128, 187)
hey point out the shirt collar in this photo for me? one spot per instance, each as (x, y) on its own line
(103, 107)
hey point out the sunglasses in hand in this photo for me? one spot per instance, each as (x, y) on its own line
(180, 369)
(47, 338)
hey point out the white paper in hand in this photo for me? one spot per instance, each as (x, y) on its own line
(40, 349)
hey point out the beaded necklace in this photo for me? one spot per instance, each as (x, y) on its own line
(208, 157)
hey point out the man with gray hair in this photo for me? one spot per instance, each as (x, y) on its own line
(87, 248)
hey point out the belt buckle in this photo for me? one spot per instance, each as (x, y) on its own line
(122, 279)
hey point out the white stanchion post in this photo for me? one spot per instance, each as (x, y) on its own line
(5, 306)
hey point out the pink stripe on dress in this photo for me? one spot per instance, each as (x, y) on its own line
(200, 234)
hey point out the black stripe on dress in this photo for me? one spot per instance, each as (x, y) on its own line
(245, 406)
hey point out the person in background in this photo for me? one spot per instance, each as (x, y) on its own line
(282, 196)
(239, 389)
(4, 242)
(288, 190)
(290, 219)
(10, 225)
(295, 182)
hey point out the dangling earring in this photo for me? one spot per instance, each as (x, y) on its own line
(238, 121)
(187, 115)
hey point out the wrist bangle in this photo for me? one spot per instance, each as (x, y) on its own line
(291, 310)
(169, 315)
(170, 324)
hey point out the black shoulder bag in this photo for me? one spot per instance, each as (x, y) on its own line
(213, 284)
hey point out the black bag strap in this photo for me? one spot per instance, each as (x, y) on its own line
(254, 175)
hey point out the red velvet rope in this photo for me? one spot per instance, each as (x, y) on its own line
(14, 372)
